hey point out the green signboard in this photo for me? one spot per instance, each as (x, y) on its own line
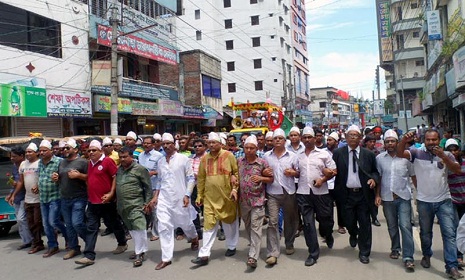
(22, 101)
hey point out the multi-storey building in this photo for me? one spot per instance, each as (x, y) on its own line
(261, 46)
(332, 108)
(401, 55)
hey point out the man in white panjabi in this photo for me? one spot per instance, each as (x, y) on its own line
(174, 186)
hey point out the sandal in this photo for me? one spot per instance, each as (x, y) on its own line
(179, 237)
(133, 256)
(409, 265)
(139, 260)
(252, 263)
(341, 230)
(154, 238)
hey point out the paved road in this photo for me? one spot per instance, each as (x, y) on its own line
(341, 262)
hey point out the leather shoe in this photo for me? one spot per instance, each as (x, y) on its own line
(51, 252)
(364, 259)
(330, 241)
(310, 261)
(409, 266)
(230, 253)
(36, 249)
(426, 262)
(24, 246)
(271, 261)
(353, 241)
(71, 254)
(162, 265)
(106, 232)
(376, 223)
(200, 261)
(290, 250)
(454, 273)
(394, 255)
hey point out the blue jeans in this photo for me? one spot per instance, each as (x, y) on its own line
(21, 219)
(74, 212)
(445, 212)
(397, 215)
(51, 219)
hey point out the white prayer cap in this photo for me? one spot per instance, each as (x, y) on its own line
(279, 132)
(72, 143)
(167, 137)
(390, 134)
(157, 136)
(95, 144)
(269, 134)
(118, 141)
(295, 129)
(223, 135)
(308, 131)
(213, 136)
(176, 145)
(450, 142)
(334, 135)
(249, 119)
(46, 144)
(353, 128)
(252, 139)
(32, 147)
(132, 135)
(61, 144)
(106, 141)
(223, 141)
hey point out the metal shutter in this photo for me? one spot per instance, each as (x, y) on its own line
(50, 127)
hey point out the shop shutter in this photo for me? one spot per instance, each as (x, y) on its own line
(49, 127)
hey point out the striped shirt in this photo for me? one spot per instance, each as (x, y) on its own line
(457, 185)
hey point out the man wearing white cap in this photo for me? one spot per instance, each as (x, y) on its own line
(28, 179)
(108, 150)
(313, 196)
(295, 145)
(157, 146)
(72, 177)
(431, 165)
(356, 178)
(174, 184)
(217, 186)
(117, 144)
(131, 143)
(101, 190)
(50, 200)
(395, 194)
(281, 194)
(268, 141)
(252, 196)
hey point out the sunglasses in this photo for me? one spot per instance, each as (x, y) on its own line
(67, 148)
(198, 146)
(106, 146)
(92, 151)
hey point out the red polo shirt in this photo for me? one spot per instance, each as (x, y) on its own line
(99, 178)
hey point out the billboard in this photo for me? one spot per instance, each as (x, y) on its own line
(384, 30)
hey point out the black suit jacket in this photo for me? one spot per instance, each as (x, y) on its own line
(367, 161)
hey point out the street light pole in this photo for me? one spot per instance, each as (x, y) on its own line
(114, 21)
(403, 102)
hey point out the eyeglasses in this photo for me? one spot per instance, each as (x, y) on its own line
(198, 146)
(106, 146)
(92, 151)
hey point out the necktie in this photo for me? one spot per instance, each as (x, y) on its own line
(354, 160)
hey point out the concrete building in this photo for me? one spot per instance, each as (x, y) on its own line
(261, 46)
(332, 108)
(402, 56)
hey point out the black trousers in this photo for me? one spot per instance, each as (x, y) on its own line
(357, 211)
(321, 207)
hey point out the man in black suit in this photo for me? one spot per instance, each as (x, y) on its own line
(354, 187)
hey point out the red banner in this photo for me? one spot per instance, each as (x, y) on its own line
(138, 46)
(344, 95)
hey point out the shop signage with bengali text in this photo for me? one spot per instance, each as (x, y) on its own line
(102, 104)
(61, 104)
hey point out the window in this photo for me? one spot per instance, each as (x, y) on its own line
(257, 63)
(271, 36)
(229, 44)
(197, 14)
(273, 58)
(275, 80)
(231, 66)
(419, 63)
(211, 87)
(400, 41)
(227, 3)
(227, 23)
(258, 85)
(254, 20)
(416, 34)
(253, 1)
(231, 87)
(256, 42)
(413, 5)
(322, 104)
(198, 35)
(399, 13)
(27, 31)
(294, 18)
(296, 36)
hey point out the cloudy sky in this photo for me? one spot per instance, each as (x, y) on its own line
(343, 45)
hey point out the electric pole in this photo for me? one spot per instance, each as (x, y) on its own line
(114, 21)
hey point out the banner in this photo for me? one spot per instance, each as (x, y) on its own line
(141, 108)
(137, 46)
(170, 107)
(378, 107)
(101, 72)
(384, 30)
(103, 104)
(434, 25)
(61, 104)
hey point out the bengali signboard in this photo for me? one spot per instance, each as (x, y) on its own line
(137, 46)
(22, 96)
(141, 108)
(170, 107)
(60, 104)
(193, 112)
(384, 22)
(133, 89)
(458, 58)
(434, 25)
(378, 107)
(103, 104)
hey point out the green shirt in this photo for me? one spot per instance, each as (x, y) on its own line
(48, 190)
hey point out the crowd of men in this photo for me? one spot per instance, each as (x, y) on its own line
(164, 184)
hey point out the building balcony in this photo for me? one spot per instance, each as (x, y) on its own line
(411, 83)
(406, 24)
(410, 53)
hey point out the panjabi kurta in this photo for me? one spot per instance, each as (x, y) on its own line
(214, 188)
(133, 190)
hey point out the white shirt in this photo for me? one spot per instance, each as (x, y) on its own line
(353, 180)
(287, 160)
(144, 157)
(311, 168)
(30, 172)
(395, 176)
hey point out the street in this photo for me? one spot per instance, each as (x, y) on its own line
(341, 262)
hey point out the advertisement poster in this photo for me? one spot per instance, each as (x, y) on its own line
(103, 104)
(60, 104)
